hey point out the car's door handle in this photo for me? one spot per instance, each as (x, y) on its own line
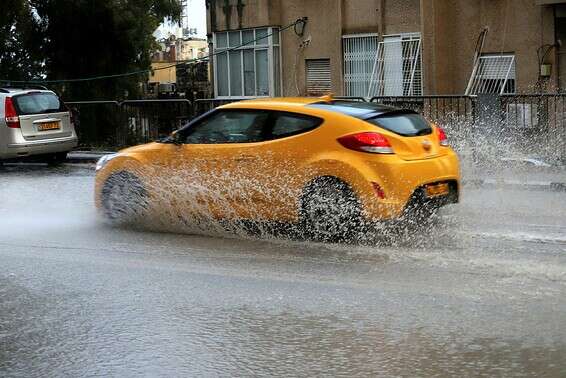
(244, 158)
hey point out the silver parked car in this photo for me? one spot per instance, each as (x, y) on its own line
(35, 122)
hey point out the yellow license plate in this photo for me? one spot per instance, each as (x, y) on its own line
(435, 190)
(48, 126)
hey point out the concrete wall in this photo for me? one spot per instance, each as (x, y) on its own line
(326, 43)
(449, 30)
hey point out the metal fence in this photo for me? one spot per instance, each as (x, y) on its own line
(114, 124)
(533, 124)
(488, 125)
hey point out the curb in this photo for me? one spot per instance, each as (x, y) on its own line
(511, 184)
(86, 156)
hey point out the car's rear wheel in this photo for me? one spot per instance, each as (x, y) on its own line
(124, 198)
(330, 211)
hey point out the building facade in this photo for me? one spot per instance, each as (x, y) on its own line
(369, 48)
(169, 77)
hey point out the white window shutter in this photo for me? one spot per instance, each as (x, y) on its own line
(493, 73)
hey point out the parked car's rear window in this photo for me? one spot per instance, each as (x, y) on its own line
(38, 103)
(405, 124)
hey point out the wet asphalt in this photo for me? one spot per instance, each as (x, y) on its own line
(480, 292)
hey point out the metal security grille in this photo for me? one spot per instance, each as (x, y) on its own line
(318, 77)
(359, 55)
(493, 74)
(391, 67)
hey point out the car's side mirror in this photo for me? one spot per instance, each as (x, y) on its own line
(176, 137)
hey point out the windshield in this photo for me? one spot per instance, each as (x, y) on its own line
(405, 124)
(38, 103)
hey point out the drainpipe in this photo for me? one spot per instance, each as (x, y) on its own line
(380, 18)
(240, 8)
(227, 8)
(211, 4)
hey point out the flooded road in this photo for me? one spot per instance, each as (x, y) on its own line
(482, 292)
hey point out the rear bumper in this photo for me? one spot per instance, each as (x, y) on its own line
(40, 147)
(403, 183)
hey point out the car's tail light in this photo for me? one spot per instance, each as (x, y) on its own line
(442, 137)
(367, 142)
(72, 117)
(12, 119)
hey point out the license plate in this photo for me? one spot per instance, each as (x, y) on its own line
(48, 126)
(436, 190)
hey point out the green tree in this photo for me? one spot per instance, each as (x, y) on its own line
(86, 38)
(20, 41)
(68, 39)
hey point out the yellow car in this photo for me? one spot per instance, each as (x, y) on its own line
(324, 164)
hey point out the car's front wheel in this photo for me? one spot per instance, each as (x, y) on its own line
(124, 198)
(330, 211)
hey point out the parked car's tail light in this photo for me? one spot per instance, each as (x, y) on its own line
(72, 117)
(12, 119)
(367, 142)
(442, 137)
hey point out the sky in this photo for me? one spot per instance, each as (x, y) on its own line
(197, 19)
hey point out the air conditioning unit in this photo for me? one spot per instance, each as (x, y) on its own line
(524, 116)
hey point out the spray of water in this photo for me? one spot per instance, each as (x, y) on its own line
(253, 203)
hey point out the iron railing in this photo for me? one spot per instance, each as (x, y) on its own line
(533, 124)
(114, 124)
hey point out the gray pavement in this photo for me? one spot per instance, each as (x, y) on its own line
(481, 292)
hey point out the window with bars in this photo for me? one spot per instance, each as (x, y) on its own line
(318, 77)
(493, 73)
(391, 67)
(252, 70)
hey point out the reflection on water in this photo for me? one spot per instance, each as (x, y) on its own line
(56, 335)
(477, 292)
(287, 343)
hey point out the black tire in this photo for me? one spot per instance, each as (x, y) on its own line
(330, 211)
(124, 198)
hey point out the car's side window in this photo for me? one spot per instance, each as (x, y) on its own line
(288, 124)
(228, 126)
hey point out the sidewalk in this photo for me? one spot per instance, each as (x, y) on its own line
(532, 178)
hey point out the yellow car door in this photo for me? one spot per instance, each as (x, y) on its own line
(271, 172)
(220, 149)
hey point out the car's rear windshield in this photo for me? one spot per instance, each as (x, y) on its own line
(399, 121)
(405, 124)
(352, 108)
(38, 103)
